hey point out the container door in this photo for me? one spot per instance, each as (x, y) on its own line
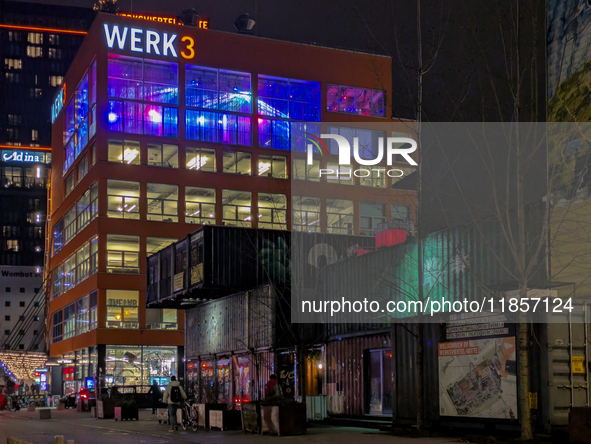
(568, 363)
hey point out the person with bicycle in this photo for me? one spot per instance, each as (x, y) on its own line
(174, 395)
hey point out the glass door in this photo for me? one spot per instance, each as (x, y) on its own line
(380, 382)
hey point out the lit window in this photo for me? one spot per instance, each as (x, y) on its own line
(217, 89)
(12, 245)
(82, 315)
(56, 80)
(70, 224)
(200, 159)
(123, 199)
(137, 118)
(274, 134)
(339, 216)
(163, 155)
(272, 166)
(306, 214)
(199, 205)
(54, 53)
(303, 171)
(83, 263)
(34, 51)
(272, 211)
(236, 210)
(35, 38)
(237, 162)
(155, 244)
(124, 151)
(123, 253)
(163, 202)
(367, 141)
(58, 280)
(342, 174)
(58, 236)
(69, 324)
(54, 39)
(83, 210)
(288, 98)
(34, 135)
(352, 100)
(209, 126)
(69, 273)
(13, 63)
(123, 309)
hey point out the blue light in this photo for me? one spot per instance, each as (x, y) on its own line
(113, 117)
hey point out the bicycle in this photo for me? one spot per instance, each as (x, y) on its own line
(190, 416)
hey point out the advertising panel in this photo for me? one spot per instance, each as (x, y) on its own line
(477, 378)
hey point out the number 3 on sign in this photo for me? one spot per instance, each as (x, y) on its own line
(190, 47)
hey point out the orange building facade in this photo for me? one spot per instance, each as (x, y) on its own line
(161, 128)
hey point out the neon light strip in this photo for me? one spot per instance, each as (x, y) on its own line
(34, 28)
(26, 148)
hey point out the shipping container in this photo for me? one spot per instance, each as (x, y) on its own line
(233, 324)
(217, 261)
(464, 263)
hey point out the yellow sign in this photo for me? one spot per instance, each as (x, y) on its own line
(578, 364)
(533, 400)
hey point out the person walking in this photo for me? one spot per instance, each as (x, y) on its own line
(155, 391)
(174, 395)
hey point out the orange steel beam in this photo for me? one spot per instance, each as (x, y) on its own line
(36, 28)
(26, 148)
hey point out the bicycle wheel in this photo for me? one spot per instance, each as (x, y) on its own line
(185, 421)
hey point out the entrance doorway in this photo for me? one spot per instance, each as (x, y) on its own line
(380, 382)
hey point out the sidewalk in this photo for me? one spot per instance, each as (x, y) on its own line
(84, 429)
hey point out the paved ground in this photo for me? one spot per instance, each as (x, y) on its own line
(84, 429)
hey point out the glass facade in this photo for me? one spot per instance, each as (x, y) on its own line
(137, 365)
(138, 80)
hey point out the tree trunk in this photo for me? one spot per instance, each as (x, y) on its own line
(526, 427)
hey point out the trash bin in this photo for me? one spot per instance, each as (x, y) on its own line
(32, 406)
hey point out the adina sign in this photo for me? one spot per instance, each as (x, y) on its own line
(149, 42)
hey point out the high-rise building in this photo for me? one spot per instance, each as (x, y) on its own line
(162, 128)
(37, 44)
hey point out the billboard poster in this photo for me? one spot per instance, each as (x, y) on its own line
(477, 378)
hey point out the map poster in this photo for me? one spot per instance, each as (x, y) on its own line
(478, 379)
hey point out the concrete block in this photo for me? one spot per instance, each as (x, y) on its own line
(59, 439)
(93, 411)
(44, 414)
(61, 406)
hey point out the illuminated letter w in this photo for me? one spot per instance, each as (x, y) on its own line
(115, 33)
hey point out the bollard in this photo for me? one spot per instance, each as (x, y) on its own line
(70, 441)
(44, 414)
(59, 439)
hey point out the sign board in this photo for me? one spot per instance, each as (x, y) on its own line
(178, 281)
(478, 378)
(578, 364)
(58, 104)
(26, 156)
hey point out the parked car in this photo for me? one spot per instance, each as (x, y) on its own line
(85, 395)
